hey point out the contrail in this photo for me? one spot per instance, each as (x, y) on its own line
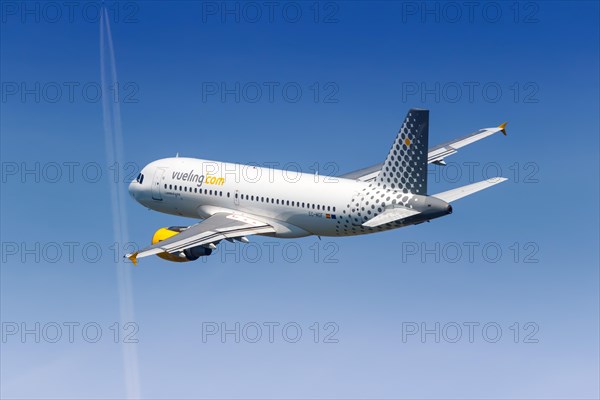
(113, 139)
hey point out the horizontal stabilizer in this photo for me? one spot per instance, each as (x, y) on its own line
(458, 193)
(390, 215)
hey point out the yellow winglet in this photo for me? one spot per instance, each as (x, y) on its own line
(503, 128)
(133, 258)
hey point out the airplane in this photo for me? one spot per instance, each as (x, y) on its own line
(234, 201)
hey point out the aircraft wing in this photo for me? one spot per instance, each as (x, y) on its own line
(435, 155)
(217, 227)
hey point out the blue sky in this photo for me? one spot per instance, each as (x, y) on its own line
(533, 269)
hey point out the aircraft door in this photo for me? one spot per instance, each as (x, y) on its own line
(156, 183)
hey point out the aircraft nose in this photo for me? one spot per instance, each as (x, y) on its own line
(133, 188)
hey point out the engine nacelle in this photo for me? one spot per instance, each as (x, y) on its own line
(195, 253)
(186, 255)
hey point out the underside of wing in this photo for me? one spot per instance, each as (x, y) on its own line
(212, 230)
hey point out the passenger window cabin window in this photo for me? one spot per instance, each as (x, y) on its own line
(220, 194)
(328, 208)
(210, 192)
(180, 188)
(252, 197)
(288, 202)
(302, 205)
(333, 208)
(227, 194)
(277, 201)
(262, 199)
(318, 207)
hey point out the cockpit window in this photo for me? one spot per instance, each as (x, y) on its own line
(141, 178)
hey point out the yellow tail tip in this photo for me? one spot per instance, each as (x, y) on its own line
(133, 258)
(503, 128)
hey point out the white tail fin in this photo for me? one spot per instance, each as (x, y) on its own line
(463, 191)
(405, 167)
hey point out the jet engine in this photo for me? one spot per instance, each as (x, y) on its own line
(190, 254)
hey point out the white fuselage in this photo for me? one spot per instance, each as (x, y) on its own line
(297, 204)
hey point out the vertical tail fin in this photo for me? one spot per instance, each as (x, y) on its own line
(405, 167)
